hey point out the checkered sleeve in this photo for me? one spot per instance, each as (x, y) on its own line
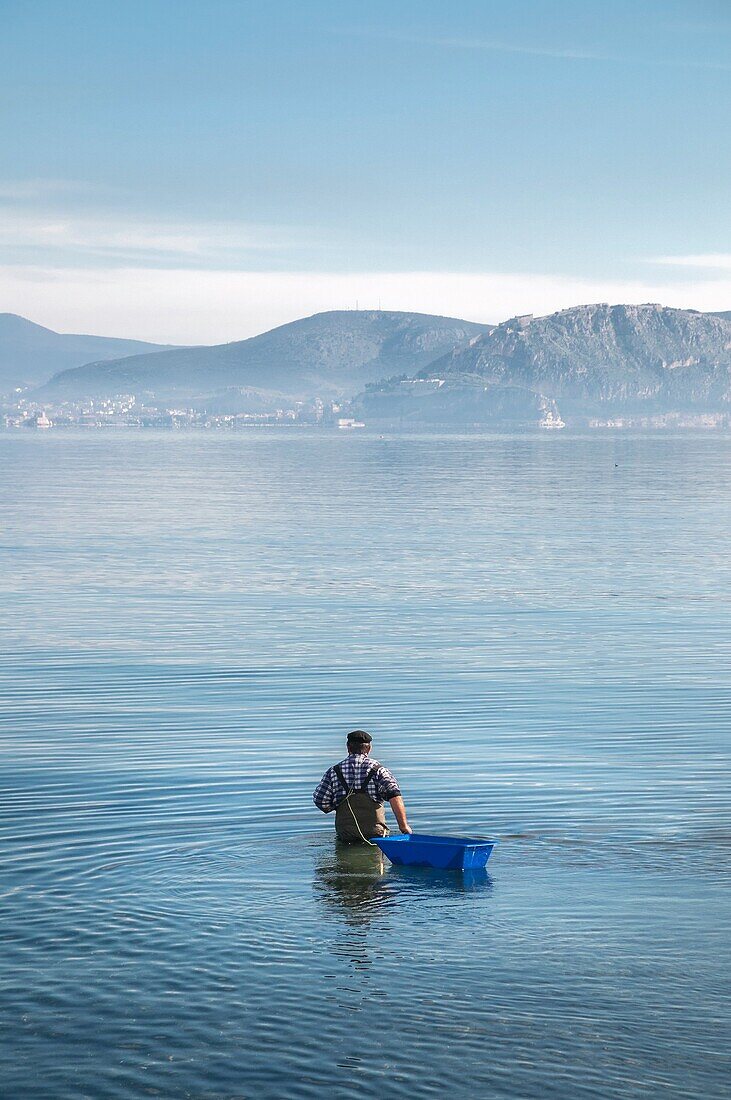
(386, 785)
(324, 794)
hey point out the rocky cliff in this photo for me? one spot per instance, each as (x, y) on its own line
(602, 358)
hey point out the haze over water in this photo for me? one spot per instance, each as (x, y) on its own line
(536, 631)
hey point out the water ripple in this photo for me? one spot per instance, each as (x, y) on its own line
(537, 632)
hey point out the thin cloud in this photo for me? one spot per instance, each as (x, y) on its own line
(560, 53)
(23, 190)
(705, 261)
(495, 46)
(197, 306)
(491, 45)
(58, 238)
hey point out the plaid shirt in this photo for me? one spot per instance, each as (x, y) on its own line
(381, 786)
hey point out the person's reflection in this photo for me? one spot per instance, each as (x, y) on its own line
(351, 887)
(353, 884)
(349, 881)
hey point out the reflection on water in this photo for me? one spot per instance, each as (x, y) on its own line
(351, 882)
(357, 882)
(537, 632)
(431, 882)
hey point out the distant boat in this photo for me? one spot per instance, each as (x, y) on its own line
(346, 424)
(551, 421)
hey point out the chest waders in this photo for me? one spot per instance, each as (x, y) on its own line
(357, 816)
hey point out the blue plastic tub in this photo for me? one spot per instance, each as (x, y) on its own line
(446, 853)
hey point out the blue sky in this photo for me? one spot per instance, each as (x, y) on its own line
(199, 171)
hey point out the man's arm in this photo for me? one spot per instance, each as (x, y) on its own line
(387, 789)
(397, 805)
(323, 795)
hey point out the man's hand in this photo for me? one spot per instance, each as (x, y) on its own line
(406, 829)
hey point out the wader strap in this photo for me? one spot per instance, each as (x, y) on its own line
(339, 772)
(348, 790)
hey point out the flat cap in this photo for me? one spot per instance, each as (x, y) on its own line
(359, 737)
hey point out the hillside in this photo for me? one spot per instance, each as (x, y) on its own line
(328, 355)
(30, 354)
(589, 360)
(403, 403)
(610, 357)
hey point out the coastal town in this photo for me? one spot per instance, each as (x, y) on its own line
(128, 411)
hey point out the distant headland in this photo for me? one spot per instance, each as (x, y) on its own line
(592, 366)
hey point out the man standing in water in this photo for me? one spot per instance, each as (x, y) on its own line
(356, 789)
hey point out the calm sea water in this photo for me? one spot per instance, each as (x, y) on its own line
(537, 633)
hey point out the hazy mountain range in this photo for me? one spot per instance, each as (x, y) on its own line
(30, 354)
(328, 355)
(584, 361)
